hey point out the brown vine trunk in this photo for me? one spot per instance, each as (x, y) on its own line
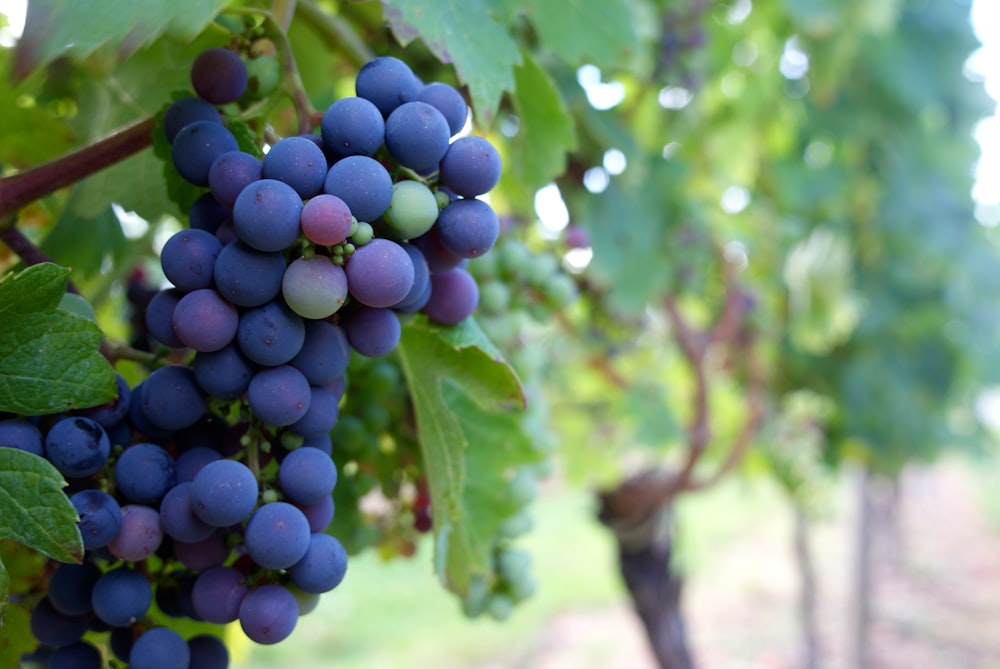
(645, 548)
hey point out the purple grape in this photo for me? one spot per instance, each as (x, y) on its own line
(468, 228)
(171, 399)
(447, 100)
(193, 460)
(352, 127)
(178, 518)
(70, 588)
(208, 652)
(373, 332)
(207, 214)
(248, 277)
(471, 166)
(144, 473)
(319, 514)
(225, 373)
(196, 146)
(77, 447)
(387, 82)
(140, 534)
(121, 597)
(19, 433)
(53, 628)
(188, 259)
(307, 475)
(223, 493)
(416, 136)
(324, 409)
(279, 395)
(266, 215)
(454, 297)
(298, 162)
(219, 76)
(325, 353)
(160, 317)
(203, 555)
(205, 321)
(271, 335)
(268, 614)
(217, 594)
(109, 414)
(416, 298)
(326, 220)
(185, 111)
(277, 535)
(438, 257)
(380, 273)
(100, 517)
(79, 655)
(160, 648)
(230, 174)
(323, 566)
(363, 183)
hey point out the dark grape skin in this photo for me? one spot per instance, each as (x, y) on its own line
(471, 166)
(454, 297)
(421, 279)
(121, 596)
(363, 183)
(416, 136)
(223, 493)
(178, 519)
(279, 395)
(144, 472)
(387, 82)
(266, 215)
(77, 447)
(140, 534)
(205, 321)
(70, 587)
(438, 257)
(160, 648)
(323, 566)
(53, 628)
(277, 535)
(193, 460)
(321, 415)
(298, 162)
(207, 213)
(160, 317)
(109, 414)
(19, 433)
(352, 126)
(202, 555)
(185, 111)
(447, 100)
(219, 76)
(100, 517)
(380, 273)
(208, 652)
(230, 174)
(325, 353)
(217, 594)
(197, 146)
(225, 373)
(468, 228)
(248, 277)
(271, 335)
(373, 332)
(307, 475)
(79, 655)
(171, 399)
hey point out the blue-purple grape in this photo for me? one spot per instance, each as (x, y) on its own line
(279, 395)
(352, 127)
(417, 297)
(324, 409)
(307, 475)
(171, 399)
(246, 276)
(319, 514)
(193, 460)
(380, 273)
(454, 297)
(79, 655)
(188, 259)
(202, 555)
(144, 473)
(225, 373)
(121, 597)
(223, 493)
(160, 648)
(373, 332)
(177, 516)
(230, 174)
(387, 82)
(447, 100)
(325, 353)
(208, 214)
(100, 517)
(205, 321)
(268, 614)
(185, 111)
(54, 628)
(468, 228)
(298, 162)
(363, 183)
(19, 433)
(196, 146)
(140, 535)
(77, 447)
(219, 76)
(271, 334)
(277, 535)
(217, 594)
(160, 317)
(70, 588)
(266, 215)
(323, 566)
(471, 166)
(111, 413)
(416, 136)
(208, 652)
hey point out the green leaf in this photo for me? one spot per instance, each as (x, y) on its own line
(581, 30)
(67, 27)
(34, 510)
(464, 33)
(463, 395)
(15, 635)
(85, 243)
(545, 130)
(4, 593)
(49, 358)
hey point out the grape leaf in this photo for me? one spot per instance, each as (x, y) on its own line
(49, 358)
(86, 244)
(15, 633)
(34, 510)
(465, 34)
(544, 132)
(68, 27)
(578, 30)
(4, 592)
(465, 397)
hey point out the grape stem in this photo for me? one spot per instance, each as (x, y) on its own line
(25, 249)
(18, 190)
(336, 31)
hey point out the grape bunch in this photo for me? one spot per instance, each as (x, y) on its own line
(205, 491)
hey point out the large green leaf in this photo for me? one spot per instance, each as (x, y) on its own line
(464, 33)
(15, 634)
(466, 400)
(86, 243)
(34, 510)
(49, 359)
(68, 27)
(582, 30)
(545, 130)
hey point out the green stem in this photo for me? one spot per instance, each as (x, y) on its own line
(18, 190)
(336, 31)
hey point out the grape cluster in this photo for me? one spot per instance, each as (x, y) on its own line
(205, 490)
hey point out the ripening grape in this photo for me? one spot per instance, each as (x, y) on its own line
(454, 296)
(412, 210)
(326, 220)
(314, 287)
(380, 273)
(219, 76)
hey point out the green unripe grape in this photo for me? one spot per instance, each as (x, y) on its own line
(290, 440)
(523, 487)
(513, 563)
(475, 601)
(528, 361)
(263, 77)
(500, 606)
(382, 378)
(77, 304)
(364, 234)
(541, 270)
(494, 297)
(523, 587)
(484, 266)
(516, 525)
(230, 22)
(350, 434)
(442, 199)
(412, 210)
(376, 417)
(307, 601)
(513, 258)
